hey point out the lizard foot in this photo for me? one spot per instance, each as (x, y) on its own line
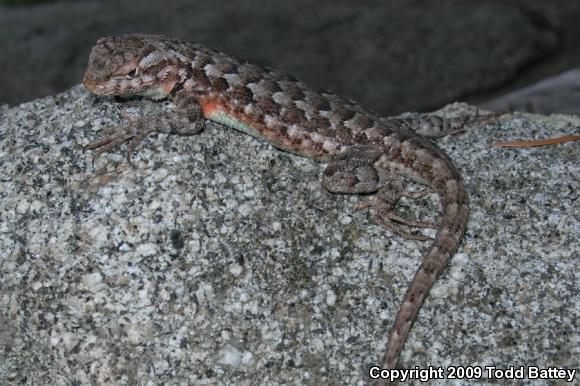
(183, 122)
(384, 203)
(133, 132)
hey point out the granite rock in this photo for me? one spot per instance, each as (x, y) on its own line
(218, 259)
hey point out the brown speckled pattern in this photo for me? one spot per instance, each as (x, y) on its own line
(314, 123)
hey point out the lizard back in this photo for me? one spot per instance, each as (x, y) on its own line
(310, 122)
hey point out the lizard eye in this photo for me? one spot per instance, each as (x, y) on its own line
(132, 73)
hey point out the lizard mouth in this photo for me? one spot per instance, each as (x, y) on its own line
(101, 87)
(112, 77)
(89, 83)
(125, 85)
(128, 85)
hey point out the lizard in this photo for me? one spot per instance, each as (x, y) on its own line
(363, 150)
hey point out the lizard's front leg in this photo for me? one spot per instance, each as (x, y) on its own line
(187, 119)
(354, 172)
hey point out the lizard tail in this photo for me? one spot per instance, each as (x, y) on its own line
(454, 202)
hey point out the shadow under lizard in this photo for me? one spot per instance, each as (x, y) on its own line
(363, 150)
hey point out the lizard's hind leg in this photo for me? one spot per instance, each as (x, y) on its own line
(354, 172)
(384, 203)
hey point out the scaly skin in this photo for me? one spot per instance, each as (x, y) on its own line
(363, 149)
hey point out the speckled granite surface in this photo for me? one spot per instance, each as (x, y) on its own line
(218, 259)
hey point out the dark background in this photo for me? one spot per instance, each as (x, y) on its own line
(390, 56)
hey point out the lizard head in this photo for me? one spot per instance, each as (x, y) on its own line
(134, 64)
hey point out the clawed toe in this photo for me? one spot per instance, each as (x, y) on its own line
(396, 229)
(396, 224)
(383, 206)
(364, 205)
(410, 223)
(133, 133)
(117, 137)
(418, 194)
